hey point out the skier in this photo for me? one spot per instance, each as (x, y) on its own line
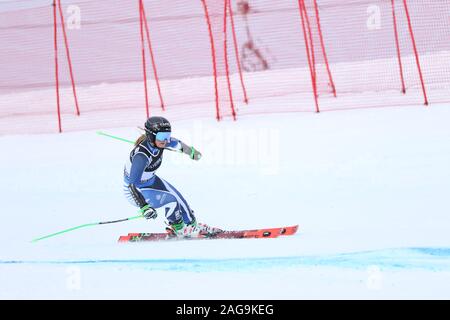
(145, 189)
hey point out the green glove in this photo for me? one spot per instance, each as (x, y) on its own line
(195, 155)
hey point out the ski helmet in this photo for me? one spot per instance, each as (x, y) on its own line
(154, 125)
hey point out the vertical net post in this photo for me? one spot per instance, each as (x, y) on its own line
(69, 60)
(397, 45)
(322, 44)
(155, 72)
(309, 54)
(55, 43)
(214, 60)
(236, 51)
(411, 33)
(144, 66)
(225, 53)
(311, 43)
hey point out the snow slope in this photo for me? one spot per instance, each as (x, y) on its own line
(369, 189)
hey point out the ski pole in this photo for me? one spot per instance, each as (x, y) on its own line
(129, 141)
(87, 225)
(114, 137)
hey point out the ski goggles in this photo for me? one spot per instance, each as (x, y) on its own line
(163, 136)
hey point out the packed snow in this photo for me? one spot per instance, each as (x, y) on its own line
(368, 188)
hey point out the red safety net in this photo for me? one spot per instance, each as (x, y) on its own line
(118, 61)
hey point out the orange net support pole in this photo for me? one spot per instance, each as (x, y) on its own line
(397, 45)
(236, 51)
(415, 52)
(144, 67)
(322, 44)
(69, 60)
(303, 15)
(155, 72)
(214, 62)
(225, 53)
(55, 43)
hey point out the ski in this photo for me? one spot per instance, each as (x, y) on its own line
(234, 234)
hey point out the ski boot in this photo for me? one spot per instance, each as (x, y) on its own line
(209, 230)
(192, 230)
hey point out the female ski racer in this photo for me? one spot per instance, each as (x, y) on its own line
(146, 190)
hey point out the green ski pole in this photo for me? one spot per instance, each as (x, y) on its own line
(129, 141)
(114, 137)
(87, 225)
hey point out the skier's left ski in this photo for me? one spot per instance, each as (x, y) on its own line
(239, 234)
